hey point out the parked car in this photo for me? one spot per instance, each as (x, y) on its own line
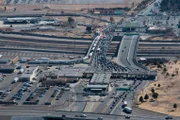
(127, 117)
(168, 117)
(83, 115)
(100, 118)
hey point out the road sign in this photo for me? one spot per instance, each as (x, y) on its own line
(123, 89)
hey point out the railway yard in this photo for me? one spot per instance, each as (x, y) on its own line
(91, 66)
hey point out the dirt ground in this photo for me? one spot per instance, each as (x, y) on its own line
(169, 80)
(165, 38)
(78, 31)
(70, 7)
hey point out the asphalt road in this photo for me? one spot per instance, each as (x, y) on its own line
(127, 52)
(92, 116)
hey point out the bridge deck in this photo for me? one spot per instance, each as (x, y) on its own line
(127, 54)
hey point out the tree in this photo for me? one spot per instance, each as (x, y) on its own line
(159, 85)
(70, 20)
(132, 4)
(111, 19)
(172, 75)
(152, 90)
(174, 105)
(177, 72)
(146, 97)
(167, 74)
(155, 95)
(88, 29)
(166, 5)
(141, 99)
(154, 84)
(165, 69)
(159, 65)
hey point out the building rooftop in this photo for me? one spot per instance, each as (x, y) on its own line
(28, 72)
(97, 86)
(100, 78)
(130, 25)
(7, 67)
(78, 72)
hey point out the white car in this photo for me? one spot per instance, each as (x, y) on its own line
(100, 118)
(83, 115)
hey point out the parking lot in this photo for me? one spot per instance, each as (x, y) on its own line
(32, 93)
(28, 93)
(162, 21)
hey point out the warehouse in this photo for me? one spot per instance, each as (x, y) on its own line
(7, 69)
(4, 61)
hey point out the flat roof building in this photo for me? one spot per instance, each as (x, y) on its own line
(102, 79)
(131, 27)
(30, 74)
(7, 69)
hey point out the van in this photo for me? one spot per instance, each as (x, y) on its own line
(67, 89)
(127, 110)
(15, 80)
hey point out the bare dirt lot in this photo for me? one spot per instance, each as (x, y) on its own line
(168, 90)
(77, 31)
(165, 38)
(77, 5)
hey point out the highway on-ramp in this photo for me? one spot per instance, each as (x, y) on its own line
(127, 53)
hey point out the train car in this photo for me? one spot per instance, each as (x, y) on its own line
(124, 104)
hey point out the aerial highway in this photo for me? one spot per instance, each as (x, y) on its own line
(126, 75)
(127, 53)
(90, 116)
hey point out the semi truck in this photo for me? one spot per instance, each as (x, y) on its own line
(124, 104)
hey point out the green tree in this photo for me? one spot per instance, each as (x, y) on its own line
(167, 74)
(165, 69)
(159, 85)
(70, 20)
(141, 99)
(146, 97)
(155, 95)
(152, 90)
(111, 19)
(174, 105)
(159, 65)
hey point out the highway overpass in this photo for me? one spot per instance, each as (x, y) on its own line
(127, 56)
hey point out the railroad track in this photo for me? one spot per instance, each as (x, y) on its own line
(41, 50)
(45, 40)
